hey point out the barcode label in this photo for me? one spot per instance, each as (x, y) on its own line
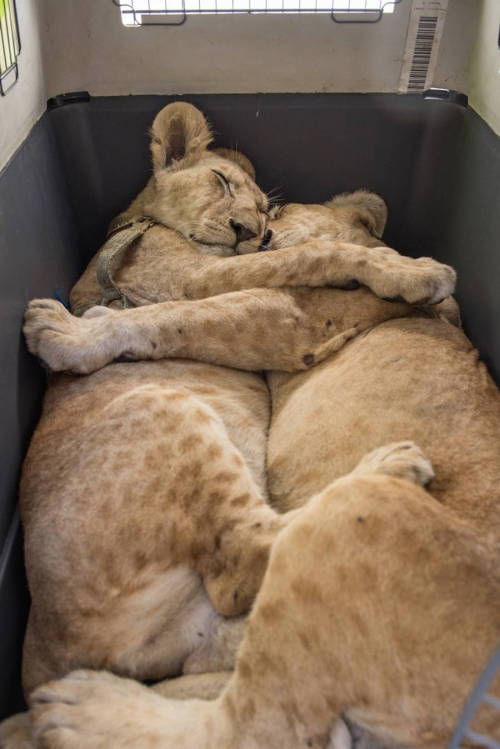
(422, 45)
(426, 33)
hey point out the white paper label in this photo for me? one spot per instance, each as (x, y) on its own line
(425, 30)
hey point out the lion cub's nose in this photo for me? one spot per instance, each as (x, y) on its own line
(266, 239)
(242, 232)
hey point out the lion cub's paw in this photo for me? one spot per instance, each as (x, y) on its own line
(65, 342)
(415, 281)
(97, 710)
(437, 280)
(404, 460)
(15, 732)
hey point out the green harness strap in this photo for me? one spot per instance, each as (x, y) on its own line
(111, 254)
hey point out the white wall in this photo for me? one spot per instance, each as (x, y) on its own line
(485, 65)
(25, 102)
(88, 48)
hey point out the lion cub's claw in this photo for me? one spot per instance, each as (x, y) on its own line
(403, 460)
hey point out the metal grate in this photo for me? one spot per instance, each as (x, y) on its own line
(160, 12)
(479, 695)
(10, 45)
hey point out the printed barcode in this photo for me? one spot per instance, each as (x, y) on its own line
(424, 40)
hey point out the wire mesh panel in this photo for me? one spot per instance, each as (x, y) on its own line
(477, 699)
(9, 45)
(157, 12)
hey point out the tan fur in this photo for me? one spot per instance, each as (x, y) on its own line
(249, 714)
(321, 643)
(140, 536)
(16, 732)
(208, 686)
(134, 553)
(311, 324)
(429, 373)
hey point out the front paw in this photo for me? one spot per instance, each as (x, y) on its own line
(15, 732)
(65, 342)
(96, 710)
(403, 460)
(415, 281)
(92, 709)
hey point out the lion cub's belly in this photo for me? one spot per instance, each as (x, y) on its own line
(407, 379)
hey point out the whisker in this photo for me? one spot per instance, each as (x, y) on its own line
(277, 190)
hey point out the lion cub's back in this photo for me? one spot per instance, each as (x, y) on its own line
(407, 379)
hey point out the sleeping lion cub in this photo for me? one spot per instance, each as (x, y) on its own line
(143, 493)
(380, 601)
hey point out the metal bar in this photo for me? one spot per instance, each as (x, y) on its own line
(138, 9)
(493, 701)
(482, 740)
(474, 699)
(377, 13)
(248, 9)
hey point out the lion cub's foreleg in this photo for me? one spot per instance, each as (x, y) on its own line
(251, 330)
(272, 329)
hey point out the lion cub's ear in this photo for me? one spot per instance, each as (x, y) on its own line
(239, 158)
(179, 136)
(364, 206)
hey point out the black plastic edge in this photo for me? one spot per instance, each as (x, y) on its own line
(73, 97)
(439, 94)
(446, 94)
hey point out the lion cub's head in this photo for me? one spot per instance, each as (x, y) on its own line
(208, 196)
(357, 217)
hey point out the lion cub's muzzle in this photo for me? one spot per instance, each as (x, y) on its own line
(243, 233)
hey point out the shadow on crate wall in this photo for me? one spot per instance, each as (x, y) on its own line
(38, 254)
(471, 231)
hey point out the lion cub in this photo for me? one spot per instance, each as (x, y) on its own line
(381, 601)
(143, 493)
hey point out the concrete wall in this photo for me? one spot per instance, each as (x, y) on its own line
(485, 65)
(25, 102)
(88, 48)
